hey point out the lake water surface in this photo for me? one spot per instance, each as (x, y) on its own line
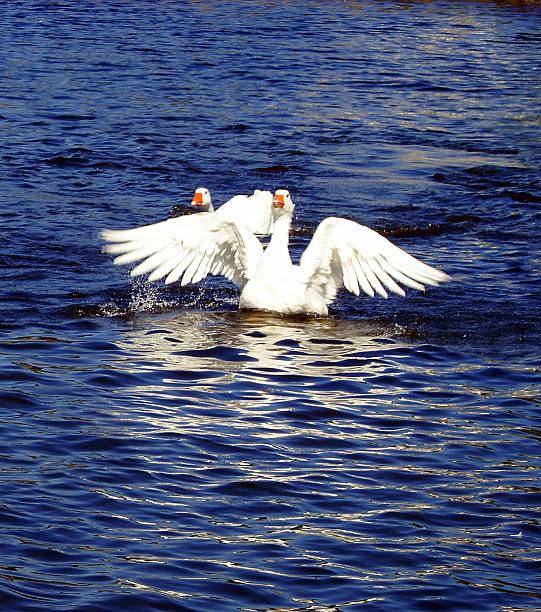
(161, 450)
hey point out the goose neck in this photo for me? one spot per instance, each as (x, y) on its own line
(279, 244)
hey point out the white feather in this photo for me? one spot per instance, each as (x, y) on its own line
(254, 211)
(341, 253)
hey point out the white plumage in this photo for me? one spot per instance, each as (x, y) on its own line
(341, 253)
(254, 211)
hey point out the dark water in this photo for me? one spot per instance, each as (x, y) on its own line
(161, 450)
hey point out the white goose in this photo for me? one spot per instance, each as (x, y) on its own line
(341, 253)
(254, 211)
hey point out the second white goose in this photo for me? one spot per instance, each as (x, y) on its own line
(254, 211)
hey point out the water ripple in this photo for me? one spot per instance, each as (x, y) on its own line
(162, 450)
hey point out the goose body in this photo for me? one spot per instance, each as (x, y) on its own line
(254, 211)
(341, 253)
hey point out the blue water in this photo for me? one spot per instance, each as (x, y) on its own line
(161, 450)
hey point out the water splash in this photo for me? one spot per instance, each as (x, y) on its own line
(147, 297)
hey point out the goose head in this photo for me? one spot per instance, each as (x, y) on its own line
(202, 200)
(282, 203)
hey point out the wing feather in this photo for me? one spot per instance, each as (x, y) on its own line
(346, 253)
(154, 261)
(370, 275)
(400, 277)
(255, 212)
(386, 279)
(180, 265)
(361, 277)
(166, 268)
(135, 253)
(190, 247)
(349, 274)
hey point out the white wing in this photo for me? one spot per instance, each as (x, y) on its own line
(343, 252)
(190, 247)
(255, 211)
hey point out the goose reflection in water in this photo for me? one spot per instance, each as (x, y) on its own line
(196, 340)
(233, 363)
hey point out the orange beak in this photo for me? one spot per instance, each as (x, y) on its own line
(197, 199)
(279, 201)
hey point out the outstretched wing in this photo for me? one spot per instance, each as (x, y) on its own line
(255, 212)
(189, 247)
(346, 253)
